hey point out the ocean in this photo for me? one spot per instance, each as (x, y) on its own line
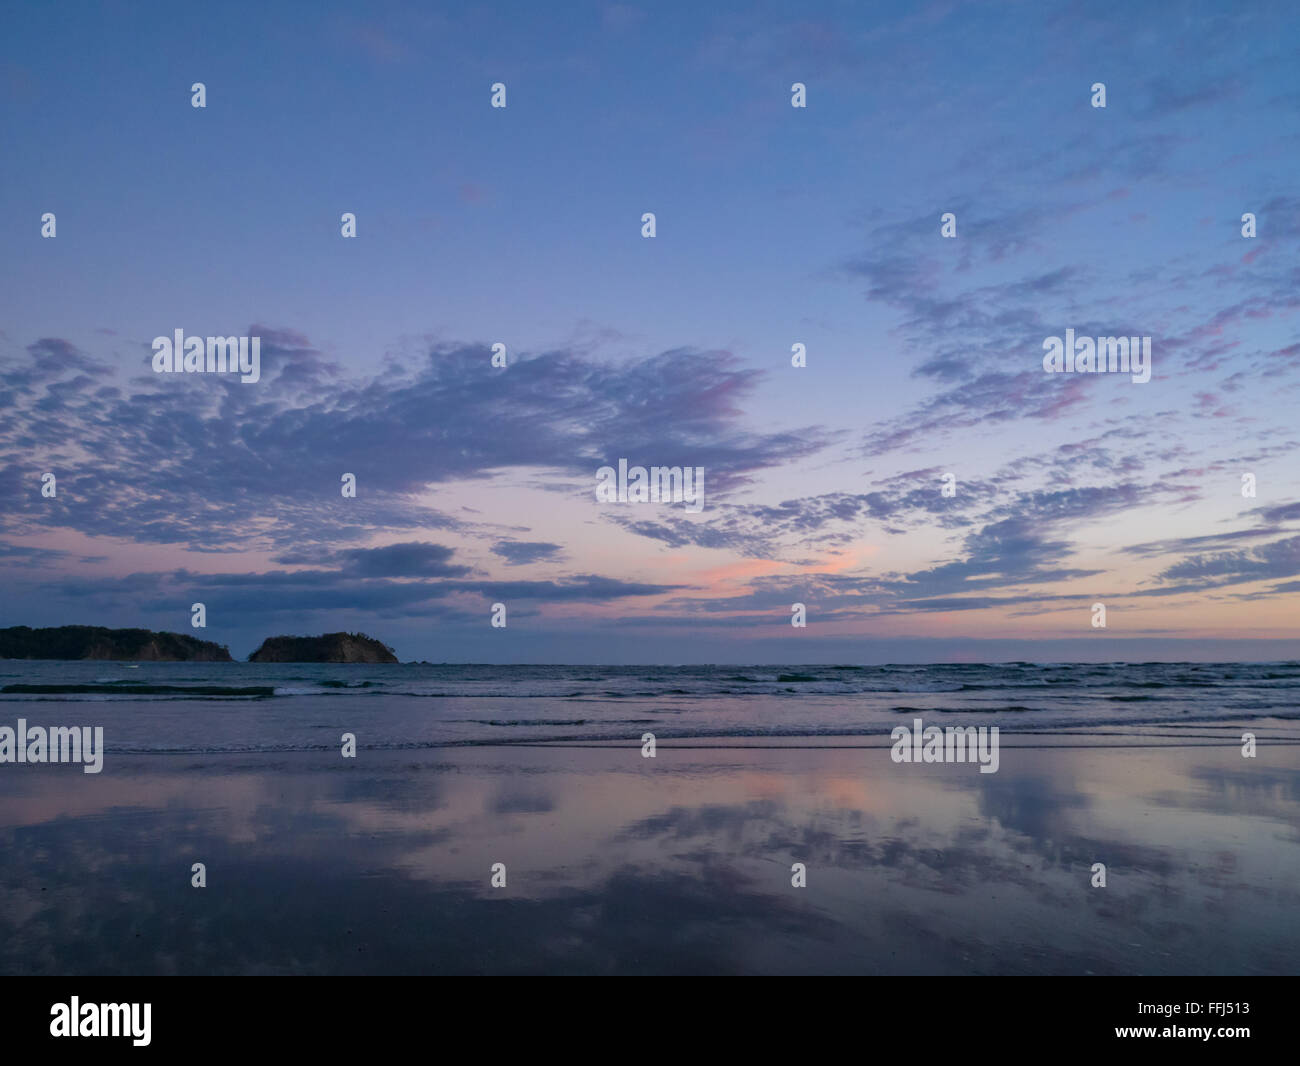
(508, 820)
(216, 707)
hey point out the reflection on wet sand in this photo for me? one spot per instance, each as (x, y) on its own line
(680, 864)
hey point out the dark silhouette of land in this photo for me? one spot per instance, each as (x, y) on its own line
(144, 645)
(328, 648)
(97, 642)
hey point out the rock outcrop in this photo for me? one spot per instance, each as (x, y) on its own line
(329, 648)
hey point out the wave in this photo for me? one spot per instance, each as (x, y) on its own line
(129, 689)
(875, 739)
(1013, 709)
(287, 706)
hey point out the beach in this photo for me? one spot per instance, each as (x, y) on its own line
(615, 863)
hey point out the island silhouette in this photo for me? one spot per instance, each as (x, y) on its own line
(146, 645)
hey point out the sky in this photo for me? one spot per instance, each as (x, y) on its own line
(775, 225)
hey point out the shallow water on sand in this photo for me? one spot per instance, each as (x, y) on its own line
(678, 864)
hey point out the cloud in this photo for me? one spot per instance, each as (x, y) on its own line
(209, 462)
(520, 552)
(1272, 561)
(413, 559)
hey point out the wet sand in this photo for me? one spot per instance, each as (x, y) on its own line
(673, 865)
